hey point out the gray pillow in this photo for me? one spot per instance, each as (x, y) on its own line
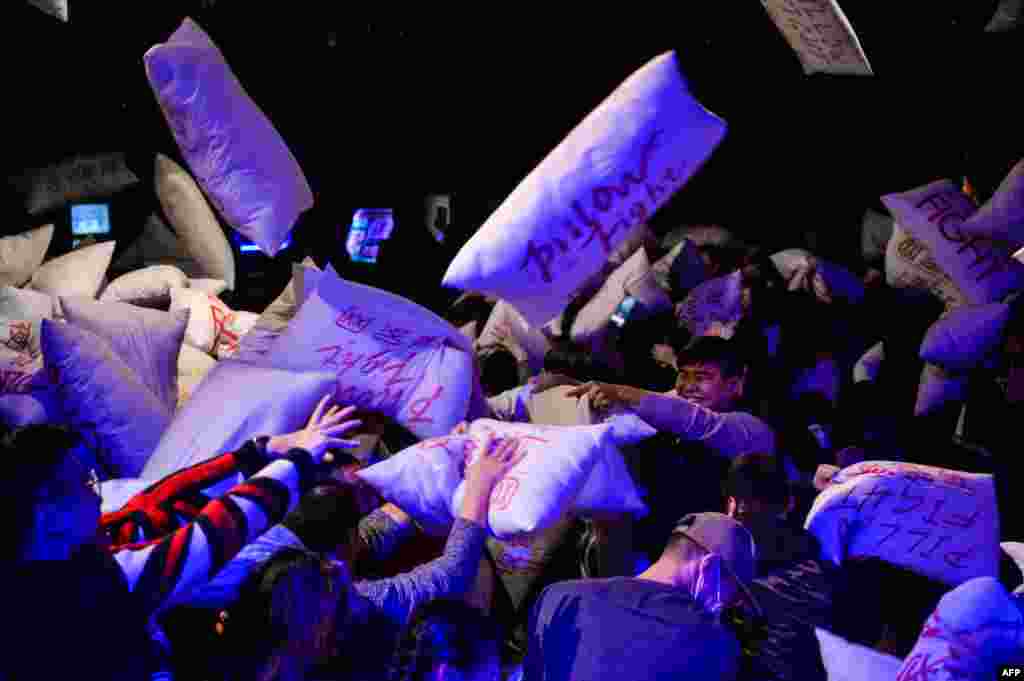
(83, 176)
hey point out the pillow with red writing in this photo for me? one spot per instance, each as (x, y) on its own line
(255, 344)
(213, 327)
(390, 355)
(27, 391)
(21, 313)
(612, 172)
(939, 523)
(845, 661)
(909, 263)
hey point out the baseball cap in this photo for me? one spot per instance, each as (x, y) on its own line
(718, 533)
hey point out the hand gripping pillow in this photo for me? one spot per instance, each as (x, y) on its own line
(84, 176)
(148, 287)
(148, 341)
(236, 402)
(981, 269)
(231, 146)
(195, 224)
(213, 327)
(612, 172)
(104, 398)
(964, 338)
(938, 387)
(22, 254)
(939, 523)
(909, 264)
(193, 365)
(845, 661)
(390, 355)
(821, 36)
(714, 308)
(255, 345)
(78, 273)
(976, 608)
(507, 327)
(634, 278)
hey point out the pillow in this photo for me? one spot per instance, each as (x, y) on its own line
(702, 236)
(104, 397)
(821, 36)
(83, 176)
(845, 661)
(981, 269)
(148, 287)
(640, 236)
(193, 365)
(231, 146)
(507, 327)
(195, 224)
(78, 273)
(614, 171)
(390, 355)
(938, 523)
(27, 391)
(909, 264)
(975, 606)
(714, 308)
(21, 313)
(248, 401)
(275, 318)
(805, 271)
(213, 287)
(22, 254)
(681, 270)
(964, 338)
(1002, 216)
(867, 367)
(469, 331)
(57, 8)
(938, 387)
(634, 278)
(156, 245)
(148, 341)
(875, 231)
(1015, 550)
(213, 327)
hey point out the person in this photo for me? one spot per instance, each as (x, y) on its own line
(663, 623)
(370, 615)
(448, 641)
(69, 584)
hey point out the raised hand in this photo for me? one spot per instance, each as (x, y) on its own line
(323, 432)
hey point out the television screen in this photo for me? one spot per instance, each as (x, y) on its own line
(89, 219)
(370, 227)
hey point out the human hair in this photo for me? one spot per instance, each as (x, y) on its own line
(575, 363)
(324, 515)
(33, 454)
(727, 355)
(757, 476)
(446, 632)
(499, 369)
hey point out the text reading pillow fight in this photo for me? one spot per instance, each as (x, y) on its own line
(193, 365)
(239, 159)
(640, 236)
(633, 278)
(389, 354)
(148, 287)
(821, 35)
(21, 313)
(846, 661)
(255, 344)
(22, 254)
(57, 8)
(86, 176)
(104, 398)
(212, 287)
(980, 608)
(869, 365)
(234, 403)
(909, 263)
(1002, 216)
(964, 338)
(612, 172)
(875, 231)
(940, 387)
(194, 223)
(681, 269)
(982, 269)
(507, 327)
(213, 327)
(714, 308)
(28, 393)
(148, 341)
(939, 523)
(78, 273)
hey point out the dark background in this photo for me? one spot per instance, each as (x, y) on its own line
(468, 102)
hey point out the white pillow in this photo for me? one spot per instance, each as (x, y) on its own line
(867, 367)
(505, 326)
(193, 221)
(22, 254)
(938, 387)
(909, 264)
(231, 146)
(255, 344)
(613, 171)
(1002, 216)
(634, 278)
(390, 355)
(638, 237)
(148, 287)
(247, 401)
(213, 287)
(714, 308)
(21, 313)
(27, 392)
(821, 36)
(981, 269)
(964, 338)
(939, 523)
(213, 327)
(803, 270)
(148, 341)
(78, 273)
(845, 661)
(104, 398)
(193, 365)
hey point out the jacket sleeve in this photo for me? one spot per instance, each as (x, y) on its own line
(726, 434)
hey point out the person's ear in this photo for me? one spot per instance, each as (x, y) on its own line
(731, 505)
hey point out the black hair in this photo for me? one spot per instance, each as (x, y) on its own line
(757, 476)
(727, 355)
(499, 369)
(574, 362)
(324, 515)
(445, 631)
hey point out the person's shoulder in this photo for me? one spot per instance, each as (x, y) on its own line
(584, 588)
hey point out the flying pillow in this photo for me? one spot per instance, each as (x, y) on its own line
(239, 159)
(1002, 216)
(57, 8)
(148, 287)
(634, 278)
(714, 308)
(821, 36)
(83, 176)
(939, 523)
(507, 327)
(213, 327)
(390, 355)
(193, 221)
(965, 337)
(255, 344)
(938, 387)
(845, 661)
(909, 264)
(614, 171)
(640, 236)
(79, 273)
(22, 254)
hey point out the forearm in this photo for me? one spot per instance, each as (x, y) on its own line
(384, 530)
(727, 435)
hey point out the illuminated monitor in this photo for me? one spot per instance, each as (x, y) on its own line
(90, 219)
(369, 228)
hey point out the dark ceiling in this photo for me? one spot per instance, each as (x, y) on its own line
(470, 101)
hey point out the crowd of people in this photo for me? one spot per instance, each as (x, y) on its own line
(303, 572)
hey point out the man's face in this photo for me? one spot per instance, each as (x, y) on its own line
(704, 384)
